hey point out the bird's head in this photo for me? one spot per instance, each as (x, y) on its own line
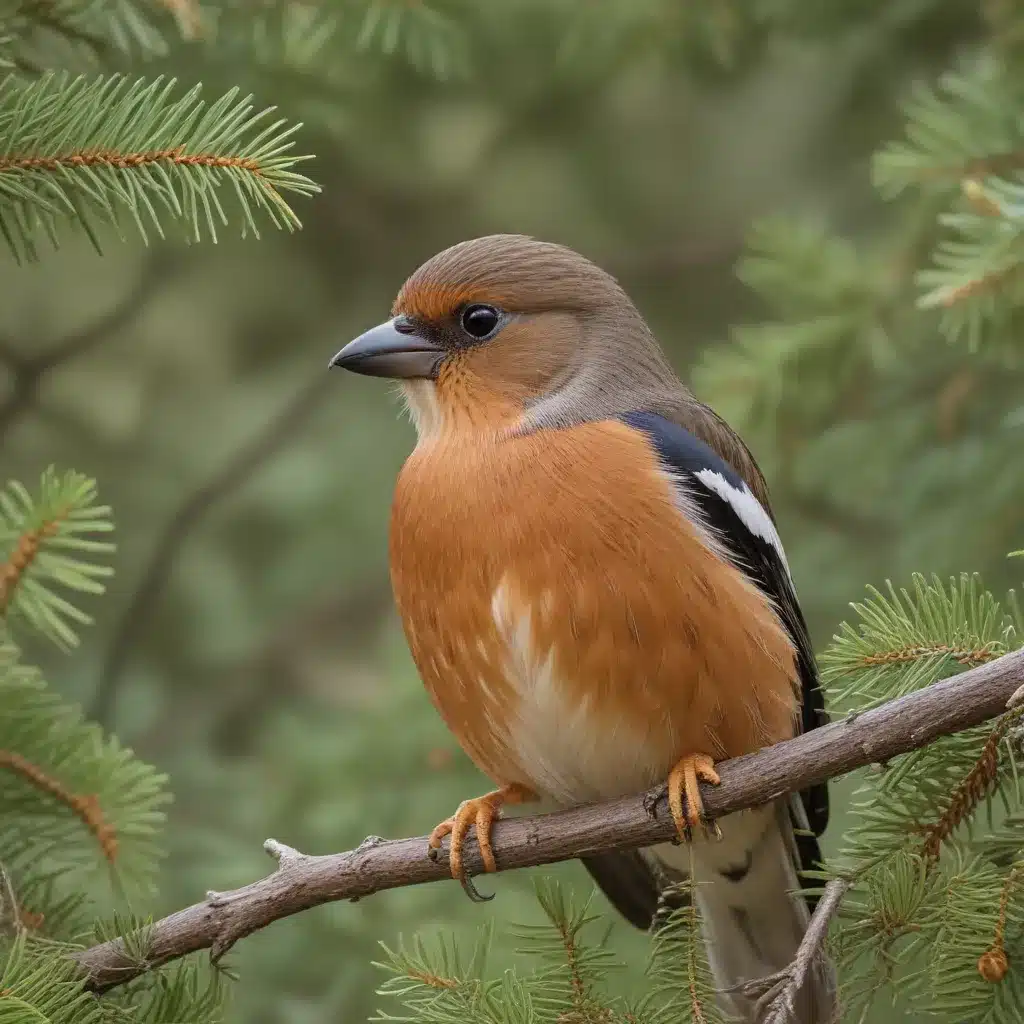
(506, 332)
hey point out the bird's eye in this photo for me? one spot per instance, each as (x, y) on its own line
(480, 321)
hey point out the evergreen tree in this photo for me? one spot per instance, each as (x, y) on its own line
(80, 816)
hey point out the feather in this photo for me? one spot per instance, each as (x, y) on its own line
(729, 509)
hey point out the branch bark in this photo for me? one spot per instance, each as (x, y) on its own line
(302, 881)
(779, 992)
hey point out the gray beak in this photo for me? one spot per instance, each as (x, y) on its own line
(392, 349)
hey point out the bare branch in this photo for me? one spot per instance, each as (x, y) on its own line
(28, 371)
(301, 881)
(778, 992)
(257, 451)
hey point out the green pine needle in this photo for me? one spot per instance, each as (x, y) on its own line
(576, 960)
(272, 37)
(967, 136)
(92, 151)
(81, 803)
(682, 986)
(187, 992)
(48, 544)
(437, 983)
(95, 27)
(40, 987)
(908, 640)
(425, 37)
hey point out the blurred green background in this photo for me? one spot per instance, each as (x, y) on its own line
(249, 645)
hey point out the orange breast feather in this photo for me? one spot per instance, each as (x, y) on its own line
(569, 625)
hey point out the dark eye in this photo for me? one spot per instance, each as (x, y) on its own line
(480, 321)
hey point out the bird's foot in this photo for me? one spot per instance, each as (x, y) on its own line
(684, 799)
(481, 812)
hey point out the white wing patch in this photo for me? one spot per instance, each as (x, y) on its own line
(750, 511)
(689, 508)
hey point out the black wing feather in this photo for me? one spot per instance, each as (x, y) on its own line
(688, 457)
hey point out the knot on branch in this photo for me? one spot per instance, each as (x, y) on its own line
(231, 910)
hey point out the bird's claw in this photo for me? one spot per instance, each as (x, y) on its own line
(481, 812)
(472, 891)
(684, 799)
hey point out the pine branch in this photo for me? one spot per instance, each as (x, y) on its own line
(301, 881)
(427, 38)
(86, 808)
(43, 539)
(777, 1005)
(993, 963)
(97, 28)
(972, 790)
(89, 151)
(680, 995)
(58, 773)
(908, 640)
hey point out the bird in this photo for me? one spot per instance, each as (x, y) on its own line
(592, 586)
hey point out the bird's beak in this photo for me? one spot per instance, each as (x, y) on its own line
(392, 349)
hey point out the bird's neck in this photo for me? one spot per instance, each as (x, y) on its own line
(461, 406)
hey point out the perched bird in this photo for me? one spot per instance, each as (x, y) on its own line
(592, 586)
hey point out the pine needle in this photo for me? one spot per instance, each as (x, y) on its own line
(90, 152)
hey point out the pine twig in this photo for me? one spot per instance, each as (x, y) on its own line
(902, 655)
(994, 963)
(301, 881)
(22, 556)
(86, 808)
(971, 791)
(985, 284)
(696, 1008)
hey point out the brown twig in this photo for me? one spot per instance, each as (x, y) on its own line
(301, 881)
(23, 554)
(29, 370)
(971, 791)
(962, 655)
(979, 286)
(258, 450)
(86, 808)
(123, 161)
(779, 992)
(994, 963)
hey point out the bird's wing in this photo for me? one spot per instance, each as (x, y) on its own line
(747, 533)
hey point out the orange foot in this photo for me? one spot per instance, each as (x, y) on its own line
(682, 783)
(481, 811)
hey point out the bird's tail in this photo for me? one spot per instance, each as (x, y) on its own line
(746, 888)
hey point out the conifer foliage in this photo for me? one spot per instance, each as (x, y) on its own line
(84, 147)
(79, 814)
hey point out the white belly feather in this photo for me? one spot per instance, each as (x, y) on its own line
(566, 752)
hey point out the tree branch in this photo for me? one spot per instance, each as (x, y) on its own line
(236, 471)
(301, 881)
(28, 371)
(778, 992)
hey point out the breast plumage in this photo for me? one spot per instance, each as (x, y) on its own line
(572, 647)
